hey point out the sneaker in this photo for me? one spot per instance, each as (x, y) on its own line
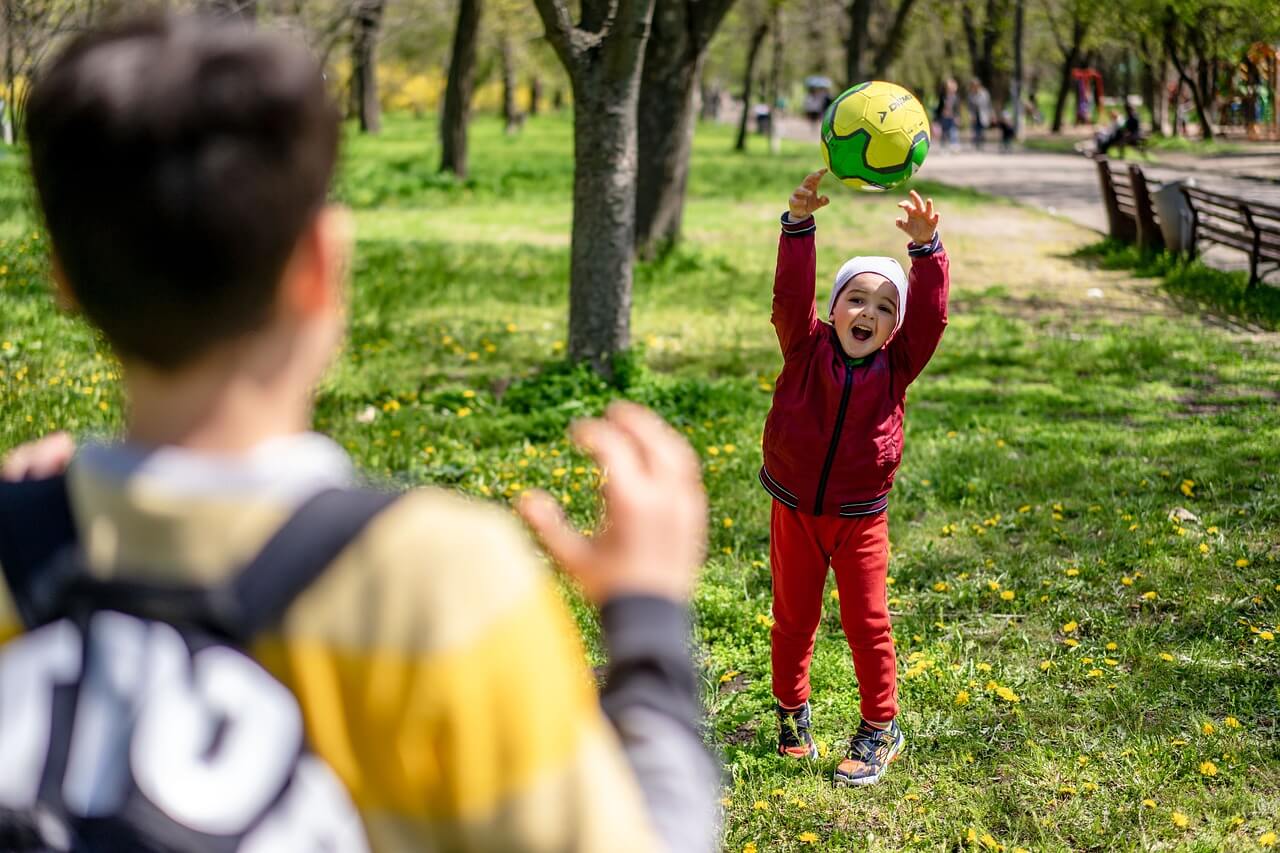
(794, 739)
(871, 751)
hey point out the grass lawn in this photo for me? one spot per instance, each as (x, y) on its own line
(1086, 559)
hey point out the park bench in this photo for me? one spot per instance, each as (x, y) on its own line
(1249, 226)
(1131, 217)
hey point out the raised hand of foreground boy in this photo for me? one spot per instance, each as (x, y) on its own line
(654, 532)
(805, 200)
(37, 460)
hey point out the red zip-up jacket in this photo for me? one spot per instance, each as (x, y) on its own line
(833, 438)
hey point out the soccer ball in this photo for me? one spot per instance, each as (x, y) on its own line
(875, 136)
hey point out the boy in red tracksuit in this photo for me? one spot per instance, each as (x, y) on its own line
(832, 444)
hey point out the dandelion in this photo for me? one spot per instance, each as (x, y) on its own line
(727, 521)
(940, 586)
(1045, 665)
(1179, 820)
(1126, 580)
(1094, 673)
(1149, 595)
(1211, 529)
(1266, 635)
(749, 847)
(1111, 647)
(1070, 627)
(468, 393)
(1267, 839)
(1072, 572)
(1165, 656)
(511, 327)
(993, 585)
(1007, 595)
(1111, 662)
(962, 698)
(1070, 643)
(764, 619)
(1007, 695)
(1231, 723)
(1242, 563)
(464, 411)
(778, 792)
(728, 676)
(1149, 804)
(807, 838)
(1188, 488)
(1208, 768)
(983, 667)
(760, 805)
(1208, 728)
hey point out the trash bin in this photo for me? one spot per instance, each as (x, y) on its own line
(764, 120)
(1177, 222)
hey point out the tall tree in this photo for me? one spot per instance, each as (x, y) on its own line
(984, 37)
(1069, 23)
(602, 55)
(673, 58)
(748, 81)
(506, 55)
(458, 89)
(367, 21)
(865, 56)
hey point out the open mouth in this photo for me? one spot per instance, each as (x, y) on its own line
(860, 334)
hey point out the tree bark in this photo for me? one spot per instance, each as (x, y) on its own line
(364, 71)
(535, 95)
(10, 74)
(603, 56)
(859, 20)
(510, 115)
(458, 89)
(891, 46)
(748, 77)
(1071, 56)
(1017, 95)
(245, 9)
(673, 59)
(1171, 46)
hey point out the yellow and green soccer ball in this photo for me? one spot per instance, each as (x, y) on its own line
(875, 136)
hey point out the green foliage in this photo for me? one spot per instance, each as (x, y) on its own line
(1045, 453)
(1193, 285)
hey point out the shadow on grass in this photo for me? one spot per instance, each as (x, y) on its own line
(1192, 286)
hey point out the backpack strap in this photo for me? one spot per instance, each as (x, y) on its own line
(298, 554)
(35, 524)
(240, 609)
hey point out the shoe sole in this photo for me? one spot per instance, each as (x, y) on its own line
(871, 780)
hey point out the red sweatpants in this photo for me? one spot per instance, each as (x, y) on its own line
(801, 548)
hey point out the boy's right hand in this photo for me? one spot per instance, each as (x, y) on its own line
(805, 200)
(653, 536)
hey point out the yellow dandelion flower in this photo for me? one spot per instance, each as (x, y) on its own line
(468, 393)
(749, 847)
(511, 327)
(1126, 580)
(1208, 768)
(993, 585)
(1149, 595)
(727, 521)
(1072, 572)
(1267, 839)
(728, 676)
(1165, 656)
(807, 838)
(941, 586)
(1266, 635)
(983, 667)
(1111, 661)
(778, 792)
(835, 595)
(1070, 643)
(1208, 728)
(962, 698)
(1150, 804)
(1241, 563)
(1231, 723)
(1211, 529)
(1070, 627)
(1094, 673)
(1179, 820)
(1007, 595)
(463, 412)
(1007, 695)
(1045, 665)
(760, 805)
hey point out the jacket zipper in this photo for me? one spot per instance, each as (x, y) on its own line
(835, 438)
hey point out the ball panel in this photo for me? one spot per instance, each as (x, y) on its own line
(875, 135)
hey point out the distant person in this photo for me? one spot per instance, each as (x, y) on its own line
(832, 445)
(979, 111)
(948, 113)
(1005, 123)
(429, 663)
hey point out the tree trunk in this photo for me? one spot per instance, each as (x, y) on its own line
(457, 93)
(535, 95)
(1017, 93)
(894, 38)
(748, 78)
(10, 75)
(859, 20)
(606, 86)
(510, 115)
(1170, 43)
(364, 71)
(673, 59)
(1064, 89)
(1147, 83)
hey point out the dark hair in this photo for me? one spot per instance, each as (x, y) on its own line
(178, 160)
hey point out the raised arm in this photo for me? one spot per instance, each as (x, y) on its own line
(927, 292)
(794, 316)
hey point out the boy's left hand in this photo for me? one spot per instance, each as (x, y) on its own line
(921, 222)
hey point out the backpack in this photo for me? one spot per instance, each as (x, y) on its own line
(131, 716)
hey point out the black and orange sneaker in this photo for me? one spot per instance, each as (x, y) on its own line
(871, 751)
(794, 739)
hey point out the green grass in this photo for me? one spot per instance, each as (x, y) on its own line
(1196, 287)
(1044, 455)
